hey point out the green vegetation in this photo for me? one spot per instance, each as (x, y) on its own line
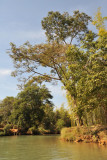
(31, 112)
(80, 66)
(75, 56)
(96, 134)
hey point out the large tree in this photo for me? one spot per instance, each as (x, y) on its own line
(91, 72)
(62, 59)
(28, 58)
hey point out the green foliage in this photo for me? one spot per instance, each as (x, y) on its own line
(62, 119)
(42, 130)
(87, 67)
(81, 67)
(48, 121)
(32, 112)
(102, 134)
(86, 134)
(33, 130)
(29, 107)
(59, 27)
(99, 20)
(2, 133)
(60, 124)
(6, 107)
(7, 129)
(67, 134)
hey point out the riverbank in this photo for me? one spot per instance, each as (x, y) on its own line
(9, 130)
(95, 134)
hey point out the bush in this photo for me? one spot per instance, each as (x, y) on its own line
(42, 130)
(2, 133)
(60, 124)
(7, 129)
(94, 138)
(32, 131)
(71, 134)
(102, 134)
(86, 134)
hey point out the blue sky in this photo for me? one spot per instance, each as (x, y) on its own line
(20, 20)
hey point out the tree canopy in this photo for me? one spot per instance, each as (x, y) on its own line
(30, 105)
(61, 27)
(32, 112)
(80, 66)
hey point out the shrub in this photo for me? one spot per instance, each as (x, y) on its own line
(60, 124)
(102, 134)
(7, 129)
(42, 130)
(2, 133)
(33, 130)
(71, 134)
(94, 138)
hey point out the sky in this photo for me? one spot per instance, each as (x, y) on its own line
(20, 21)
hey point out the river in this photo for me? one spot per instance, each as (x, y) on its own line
(48, 148)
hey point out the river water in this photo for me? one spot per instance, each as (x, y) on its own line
(48, 148)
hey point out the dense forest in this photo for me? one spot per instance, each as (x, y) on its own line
(76, 56)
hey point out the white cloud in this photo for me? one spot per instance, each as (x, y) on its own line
(5, 72)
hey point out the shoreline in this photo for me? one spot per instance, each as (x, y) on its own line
(92, 134)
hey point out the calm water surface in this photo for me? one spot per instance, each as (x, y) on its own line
(48, 148)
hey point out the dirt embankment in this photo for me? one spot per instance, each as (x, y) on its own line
(95, 134)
